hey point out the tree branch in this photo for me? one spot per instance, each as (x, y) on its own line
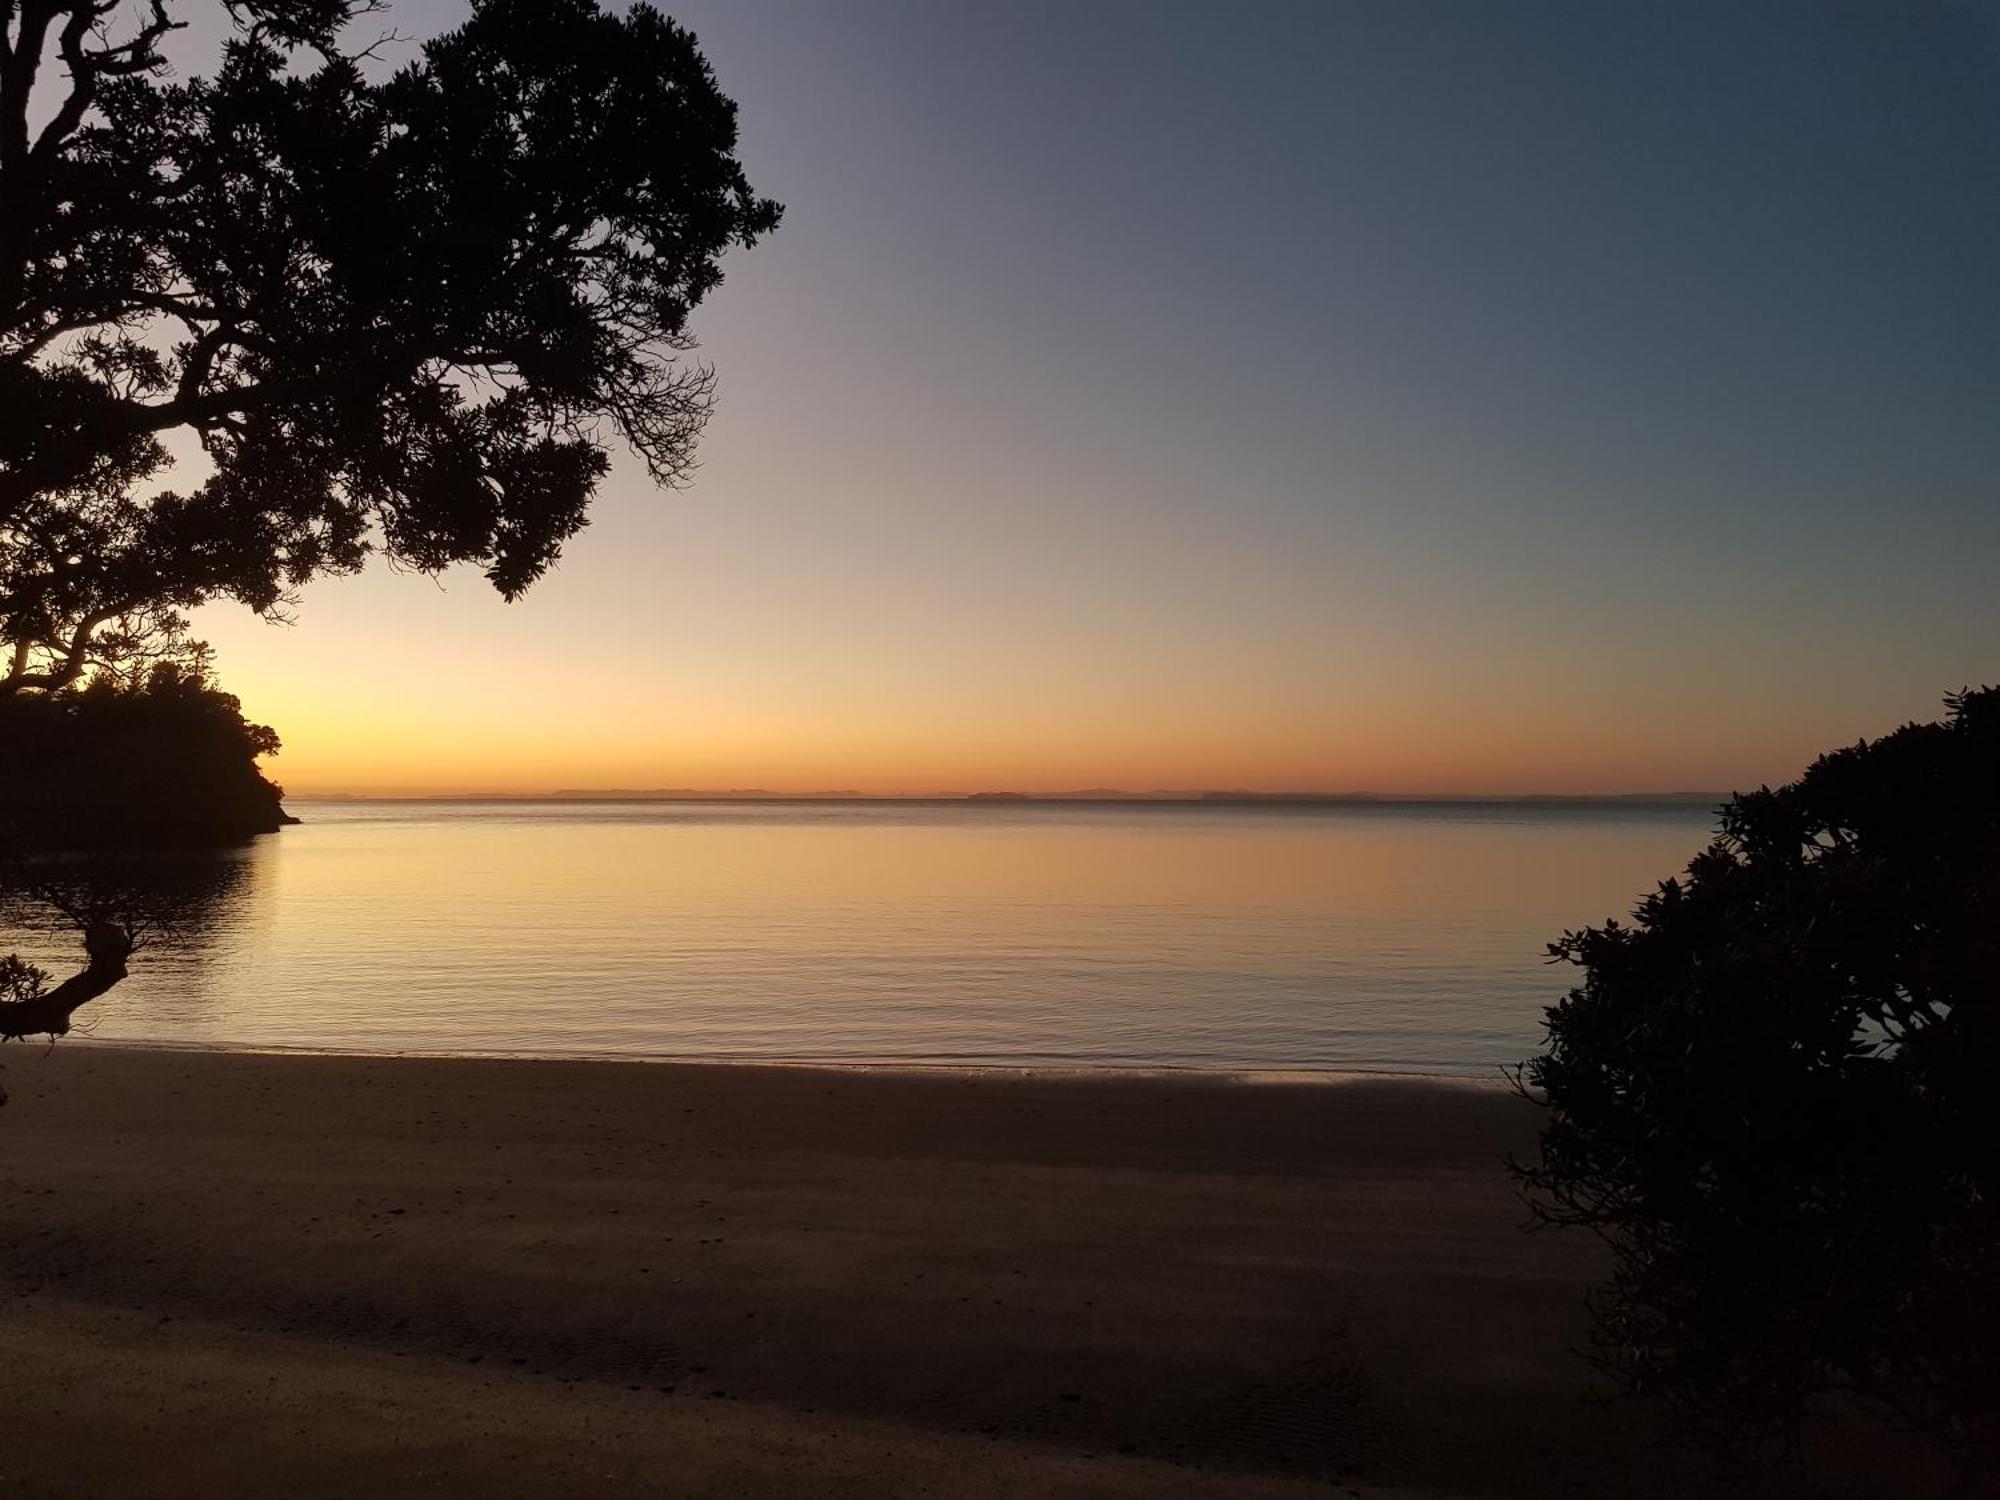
(108, 945)
(73, 657)
(82, 82)
(17, 82)
(116, 60)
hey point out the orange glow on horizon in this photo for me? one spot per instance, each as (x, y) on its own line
(457, 741)
(644, 664)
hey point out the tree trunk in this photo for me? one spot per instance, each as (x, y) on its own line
(108, 946)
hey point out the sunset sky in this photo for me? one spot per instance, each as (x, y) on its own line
(1414, 397)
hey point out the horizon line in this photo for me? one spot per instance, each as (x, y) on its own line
(1208, 796)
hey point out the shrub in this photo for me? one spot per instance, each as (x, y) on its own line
(1775, 1096)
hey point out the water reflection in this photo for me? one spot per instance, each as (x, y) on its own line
(179, 904)
(1357, 937)
(1361, 937)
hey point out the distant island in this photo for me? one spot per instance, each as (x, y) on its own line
(1221, 798)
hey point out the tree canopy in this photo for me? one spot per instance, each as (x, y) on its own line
(164, 761)
(397, 312)
(406, 315)
(1774, 1094)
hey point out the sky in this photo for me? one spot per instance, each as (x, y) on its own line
(1414, 397)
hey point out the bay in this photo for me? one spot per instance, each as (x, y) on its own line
(1390, 936)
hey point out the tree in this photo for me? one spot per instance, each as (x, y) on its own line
(406, 317)
(403, 315)
(1774, 1096)
(162, 761)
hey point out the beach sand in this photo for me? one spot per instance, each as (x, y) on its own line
(228, 1274)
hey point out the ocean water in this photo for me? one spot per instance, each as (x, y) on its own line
(1392, 937)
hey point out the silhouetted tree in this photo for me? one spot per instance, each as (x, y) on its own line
(1776, 1095)
(164, 761)
(405, 316)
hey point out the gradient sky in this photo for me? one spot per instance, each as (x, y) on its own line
(1419, 397)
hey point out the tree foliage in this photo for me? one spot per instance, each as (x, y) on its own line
(159, 760)
(163, 761)
(1776, 1094)
(396, 312)
(405, 314)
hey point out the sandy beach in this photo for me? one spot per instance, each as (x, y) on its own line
(310, 1275)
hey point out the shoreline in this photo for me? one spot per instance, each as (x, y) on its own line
(1192, 1072)
(528, 1278)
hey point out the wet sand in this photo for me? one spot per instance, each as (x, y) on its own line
(228, 1274)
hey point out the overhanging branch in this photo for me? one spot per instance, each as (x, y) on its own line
(108, 946)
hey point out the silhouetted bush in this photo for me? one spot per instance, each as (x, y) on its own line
(166, 761)
(1775, 1095)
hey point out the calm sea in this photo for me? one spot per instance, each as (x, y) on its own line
(1370, 937)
